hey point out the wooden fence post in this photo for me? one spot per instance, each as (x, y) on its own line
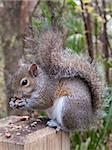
(19, 136)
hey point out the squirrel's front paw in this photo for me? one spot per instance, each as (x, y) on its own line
(12, 103)
(19, 104)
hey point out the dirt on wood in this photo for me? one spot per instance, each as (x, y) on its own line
(16, 128)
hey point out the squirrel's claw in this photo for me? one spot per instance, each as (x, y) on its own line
(58, 129)
(12, 104)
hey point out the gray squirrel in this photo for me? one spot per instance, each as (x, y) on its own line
(67, 86)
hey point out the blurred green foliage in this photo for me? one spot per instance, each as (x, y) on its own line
(72, 21)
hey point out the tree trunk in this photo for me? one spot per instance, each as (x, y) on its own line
(12, 43)
(14, 17)
(105, 41)
(88, 29)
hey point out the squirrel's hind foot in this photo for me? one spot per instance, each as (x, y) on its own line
(53, 124)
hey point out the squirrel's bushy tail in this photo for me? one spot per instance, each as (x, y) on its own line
(49, 46)
(61, 64)
(79, 66)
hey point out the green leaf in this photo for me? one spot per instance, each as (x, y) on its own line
(76, 42)
(86, 1)
(90, 9)
(109, 63)
(46, 12)
(36, 23)
(72, 3)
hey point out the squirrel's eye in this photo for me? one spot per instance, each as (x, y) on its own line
(24, 82)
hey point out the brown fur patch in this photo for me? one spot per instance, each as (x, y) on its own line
(61, 90)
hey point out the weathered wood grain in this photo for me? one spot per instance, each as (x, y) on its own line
(25, 138)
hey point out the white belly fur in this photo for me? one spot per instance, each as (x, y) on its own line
(55, 112)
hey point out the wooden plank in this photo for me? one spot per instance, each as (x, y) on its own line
(23, 137)
(65, 141)
(44, 139)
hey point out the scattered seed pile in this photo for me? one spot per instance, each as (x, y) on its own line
(20, 127)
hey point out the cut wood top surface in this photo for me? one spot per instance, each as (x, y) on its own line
(20, 133)
(17, 128)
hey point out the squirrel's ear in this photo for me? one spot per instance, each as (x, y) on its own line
(33, 70)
